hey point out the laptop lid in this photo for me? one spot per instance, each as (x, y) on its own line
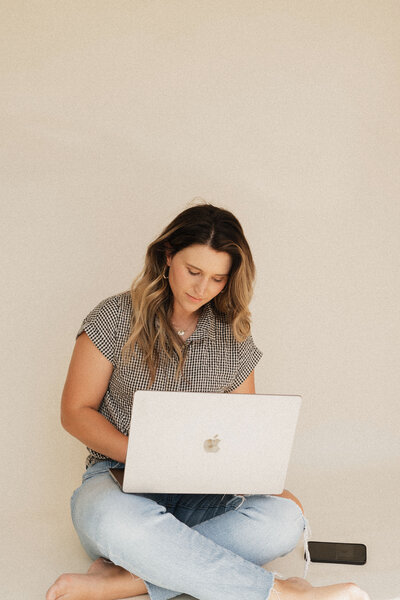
(211, 443)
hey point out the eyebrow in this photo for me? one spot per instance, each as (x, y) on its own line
(216, 275)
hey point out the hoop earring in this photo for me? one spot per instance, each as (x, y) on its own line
(164, 275)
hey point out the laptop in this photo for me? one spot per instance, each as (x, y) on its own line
(208, 443)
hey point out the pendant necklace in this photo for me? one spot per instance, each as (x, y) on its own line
(182, 332)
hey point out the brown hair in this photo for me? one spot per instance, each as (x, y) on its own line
(151, 294)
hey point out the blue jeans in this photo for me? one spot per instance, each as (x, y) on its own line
(209, 546)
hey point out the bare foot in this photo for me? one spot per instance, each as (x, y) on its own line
(296, 588)
(103, 581)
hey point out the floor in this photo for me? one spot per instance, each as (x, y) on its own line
(41, 546)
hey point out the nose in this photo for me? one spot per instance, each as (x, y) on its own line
(201, 288)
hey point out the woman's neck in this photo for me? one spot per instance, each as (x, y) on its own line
(183, 320)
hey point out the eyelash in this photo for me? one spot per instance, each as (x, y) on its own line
(216, 280)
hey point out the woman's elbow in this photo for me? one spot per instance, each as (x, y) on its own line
(64, 420)
(67, 418)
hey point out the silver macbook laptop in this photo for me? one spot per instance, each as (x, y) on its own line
(211, 443)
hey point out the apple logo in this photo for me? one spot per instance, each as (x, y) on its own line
(211, 445)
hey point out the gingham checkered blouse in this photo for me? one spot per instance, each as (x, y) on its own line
(215, 362)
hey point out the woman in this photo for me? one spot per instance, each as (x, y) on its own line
(184, 325)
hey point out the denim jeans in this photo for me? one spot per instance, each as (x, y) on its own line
(210, 546)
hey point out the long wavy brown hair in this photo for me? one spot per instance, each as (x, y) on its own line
(152, 296)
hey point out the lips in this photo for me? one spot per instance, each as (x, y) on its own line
(195, 299)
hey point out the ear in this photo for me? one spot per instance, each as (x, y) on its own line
(168, 251)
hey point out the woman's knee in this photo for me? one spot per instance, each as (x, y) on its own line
(274, 526)
(290, 517)
(101, 511)
(290, 496)
(278, 518)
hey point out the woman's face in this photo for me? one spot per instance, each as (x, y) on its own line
(197, 274)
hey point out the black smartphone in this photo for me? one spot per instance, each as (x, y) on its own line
(335, 552)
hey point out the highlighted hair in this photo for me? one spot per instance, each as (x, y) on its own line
(152, 296)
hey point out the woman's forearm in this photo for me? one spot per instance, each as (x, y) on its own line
(92, 429)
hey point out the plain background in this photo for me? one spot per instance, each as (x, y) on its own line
(114, 116)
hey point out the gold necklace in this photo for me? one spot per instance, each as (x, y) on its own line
(182, 332)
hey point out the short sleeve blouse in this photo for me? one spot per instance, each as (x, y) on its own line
(215, 361)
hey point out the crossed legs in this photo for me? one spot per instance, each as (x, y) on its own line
(205, 549)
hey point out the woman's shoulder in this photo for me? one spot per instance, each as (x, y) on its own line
(124, 299)
(121, 300)
(223, 328)
(224, 335)
(107, 322)
(109, 311)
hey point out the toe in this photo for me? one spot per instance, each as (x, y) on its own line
(52, 593)
(58, 588)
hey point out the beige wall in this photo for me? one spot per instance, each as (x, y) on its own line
(114, 115)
